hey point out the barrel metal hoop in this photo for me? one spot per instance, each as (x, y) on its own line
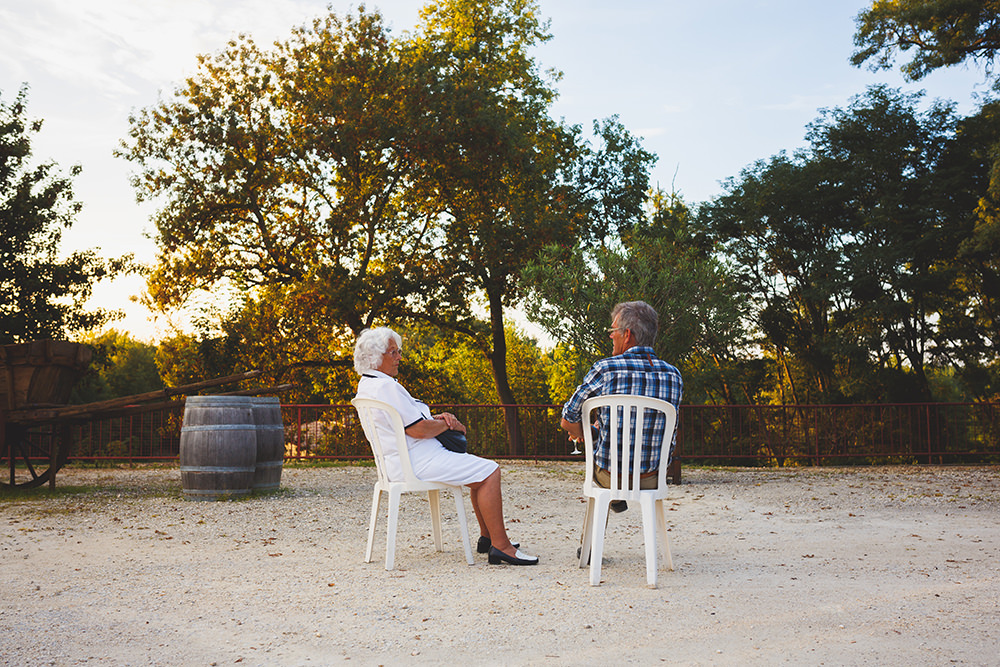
(219, 427)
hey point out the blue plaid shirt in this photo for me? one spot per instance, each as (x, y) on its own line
(635, 371)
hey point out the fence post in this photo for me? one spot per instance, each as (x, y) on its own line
(927, 422)
(816, 457)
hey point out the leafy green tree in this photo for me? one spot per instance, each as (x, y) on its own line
(941, 33)
(184, 358)
(564, 371)
(887, 158)
(43, 294)
(574, 290)
(944, 33)
(464, 371)
(122, 366)
(850, 248)
(284, 170)
(507, 178)
(349, 179)
(970, 317)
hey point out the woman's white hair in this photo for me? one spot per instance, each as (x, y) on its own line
(371, 345)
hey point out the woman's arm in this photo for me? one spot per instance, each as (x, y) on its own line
(431, 428)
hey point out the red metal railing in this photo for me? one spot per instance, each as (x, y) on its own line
(718, 434)
(829, 434)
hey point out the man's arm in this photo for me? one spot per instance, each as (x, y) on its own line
(572, 418)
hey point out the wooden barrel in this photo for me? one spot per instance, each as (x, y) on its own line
(218, 450)
(270, 443)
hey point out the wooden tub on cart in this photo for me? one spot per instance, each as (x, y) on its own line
(36, 380)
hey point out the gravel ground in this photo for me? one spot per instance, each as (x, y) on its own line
(868, 566)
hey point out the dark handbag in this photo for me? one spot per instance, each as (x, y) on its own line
(454, 441)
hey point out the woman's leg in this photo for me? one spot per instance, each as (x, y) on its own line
(488, 505)
(474, 496)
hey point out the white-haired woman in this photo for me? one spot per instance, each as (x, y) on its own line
(377, 354)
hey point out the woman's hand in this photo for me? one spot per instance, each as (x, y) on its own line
(451, 421)
(431, 428)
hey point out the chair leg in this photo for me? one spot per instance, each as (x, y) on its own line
(434, 498)
(588, 535)
(463, 524)
(390, 533)
(649, 537)
(376, 499)
(599, 524)
(661, 519)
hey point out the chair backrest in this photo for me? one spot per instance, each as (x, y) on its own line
(630, 416)
(384, 429)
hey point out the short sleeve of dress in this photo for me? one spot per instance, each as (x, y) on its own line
(393, 393)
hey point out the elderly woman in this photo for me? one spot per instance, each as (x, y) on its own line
(377, 354)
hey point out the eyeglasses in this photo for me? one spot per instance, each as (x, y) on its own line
(614, 329)
(396, 353)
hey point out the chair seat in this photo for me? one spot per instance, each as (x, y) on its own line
(369, 410)
(630, 416)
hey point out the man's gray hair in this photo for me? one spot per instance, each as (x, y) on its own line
(371, 345)
(639, 318)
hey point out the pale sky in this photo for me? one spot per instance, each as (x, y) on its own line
(710, 85)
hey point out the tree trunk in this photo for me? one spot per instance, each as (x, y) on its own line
(498, 363)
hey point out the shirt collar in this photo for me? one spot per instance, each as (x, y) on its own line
(639, 350)
(372, 373)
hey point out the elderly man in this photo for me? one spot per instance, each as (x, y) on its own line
(633, 369)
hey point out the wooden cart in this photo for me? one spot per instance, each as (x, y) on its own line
(37, 376)
(36, 379)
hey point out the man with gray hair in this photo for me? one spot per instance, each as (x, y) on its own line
(633, 369)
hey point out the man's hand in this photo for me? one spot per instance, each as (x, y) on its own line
(575, 430)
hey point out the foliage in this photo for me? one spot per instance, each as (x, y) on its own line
(184, 359)
(43, 295)
(346, 178)
(122, 366)
(462, 370)
(941, 33)
(970, 318)
(283, 169)
(574, 290)
(506, 178)
(849, 249)
(565, 371)
(260, 335)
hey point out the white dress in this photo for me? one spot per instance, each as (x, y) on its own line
(430, 460)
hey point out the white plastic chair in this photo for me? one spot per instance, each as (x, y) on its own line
(651, 501)
(367, 410)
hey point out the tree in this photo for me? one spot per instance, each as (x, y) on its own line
(43, 295)
(970, 318)
(463, 372)
(942, 32)
(905, 219)
(284, 171)
(506, 177)
(286, 176)
(122, 366)
(850, 247)
(572, 291)
(945, 33)
(352, 179)
(565, 371)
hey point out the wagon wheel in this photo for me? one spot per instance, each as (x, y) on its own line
(34, 454)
